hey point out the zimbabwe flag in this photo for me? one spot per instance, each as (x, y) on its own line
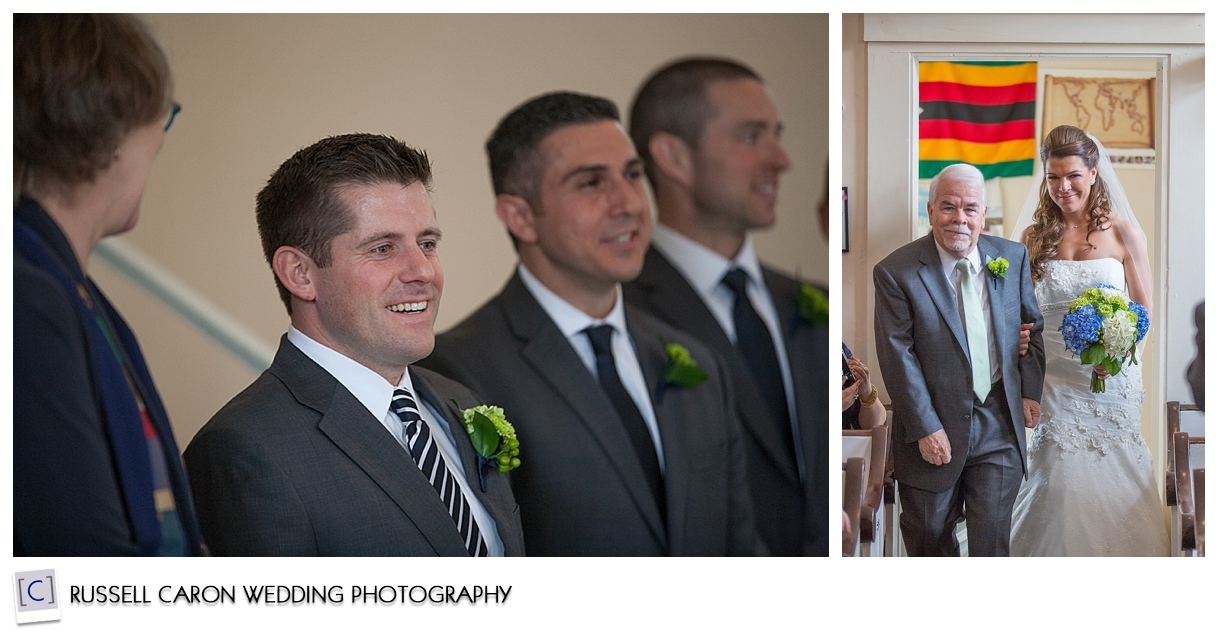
(979, 112)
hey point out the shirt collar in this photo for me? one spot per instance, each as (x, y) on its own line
(703, 267)
(570, 320)
(368, 387)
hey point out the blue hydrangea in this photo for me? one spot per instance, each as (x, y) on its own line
(1081, 328)
(1143, 319)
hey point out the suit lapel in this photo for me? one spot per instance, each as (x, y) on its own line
(494, 499)
(672, 422)
(347, 423)
(469, 458)
(674, 300)
(670, 296)
(550, 355)
(940, 292)
(996, 288)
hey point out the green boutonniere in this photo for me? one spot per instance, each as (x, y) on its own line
(813, 305)
(681, 369)
(997, 266)
(493, 437)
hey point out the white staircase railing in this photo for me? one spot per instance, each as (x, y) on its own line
(179, 297)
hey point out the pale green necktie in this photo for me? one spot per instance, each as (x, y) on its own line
(974, 326)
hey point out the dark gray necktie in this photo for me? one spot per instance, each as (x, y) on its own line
(426, 454)
(755, 343)
(606, 370)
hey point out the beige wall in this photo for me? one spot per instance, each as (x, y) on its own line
(255, 88)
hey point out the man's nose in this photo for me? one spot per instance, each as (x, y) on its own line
(778, 157)
(627, 196)
(416, 267)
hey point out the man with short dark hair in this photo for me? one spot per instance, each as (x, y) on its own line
(621, 460)
(340, 449)
(710, 137)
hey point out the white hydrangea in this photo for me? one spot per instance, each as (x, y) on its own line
(1109, 293)
(1118, 335)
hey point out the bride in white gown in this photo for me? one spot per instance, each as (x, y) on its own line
(1090, 491)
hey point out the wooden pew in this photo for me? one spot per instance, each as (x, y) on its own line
(1188, 420)
(1184, 522)
(1193, 420)
(875, 514)
(1199, 505)
(852, 502)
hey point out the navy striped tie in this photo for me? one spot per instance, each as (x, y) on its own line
(426, 454)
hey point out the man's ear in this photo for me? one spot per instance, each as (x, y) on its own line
(517, 214)
(672, 157)
(294, 269)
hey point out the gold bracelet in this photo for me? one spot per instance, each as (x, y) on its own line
(870, 400)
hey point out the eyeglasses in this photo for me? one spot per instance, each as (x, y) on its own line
(173, 113)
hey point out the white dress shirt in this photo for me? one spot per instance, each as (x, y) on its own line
(572, 322)
(376, 394)
(704, 269)
(980, 281)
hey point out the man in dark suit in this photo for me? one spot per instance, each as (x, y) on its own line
(618, 459)
(341, 448)
(708, 135)
(947, 337)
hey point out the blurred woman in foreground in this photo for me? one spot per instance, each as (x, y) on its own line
(96, 470)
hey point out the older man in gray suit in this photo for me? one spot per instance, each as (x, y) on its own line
(341, 448)
(947, 324)
(619, 457)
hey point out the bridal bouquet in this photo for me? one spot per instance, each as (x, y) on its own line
(1103, 326)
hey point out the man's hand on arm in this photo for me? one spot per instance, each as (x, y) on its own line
(1025, 335)
(936, 449)
(1031, 413)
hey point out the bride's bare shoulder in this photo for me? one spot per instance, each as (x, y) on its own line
(1122, 228)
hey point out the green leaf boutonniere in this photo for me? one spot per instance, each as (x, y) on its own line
(493, 437)
(997, 266)
(681, 369)
(813, 305)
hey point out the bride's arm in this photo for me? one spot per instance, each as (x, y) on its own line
(1137, 264)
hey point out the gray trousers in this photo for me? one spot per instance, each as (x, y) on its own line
(984, 496)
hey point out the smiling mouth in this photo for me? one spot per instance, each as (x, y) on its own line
(408, 307)
(625, 237)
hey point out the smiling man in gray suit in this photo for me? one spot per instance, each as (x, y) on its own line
(709, 136)
(341, 448)
(617, 460)
(947, 328)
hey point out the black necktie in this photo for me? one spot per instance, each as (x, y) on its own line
(755, 343)
(426, 454)
(627, 411)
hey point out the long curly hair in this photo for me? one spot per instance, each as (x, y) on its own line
(1048, 228)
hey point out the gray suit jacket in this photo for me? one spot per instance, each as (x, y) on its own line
(792, 516)
(923, 352)
(295, 465)
(581, 488)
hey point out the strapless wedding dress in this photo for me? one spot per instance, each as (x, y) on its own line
(1090, 491)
